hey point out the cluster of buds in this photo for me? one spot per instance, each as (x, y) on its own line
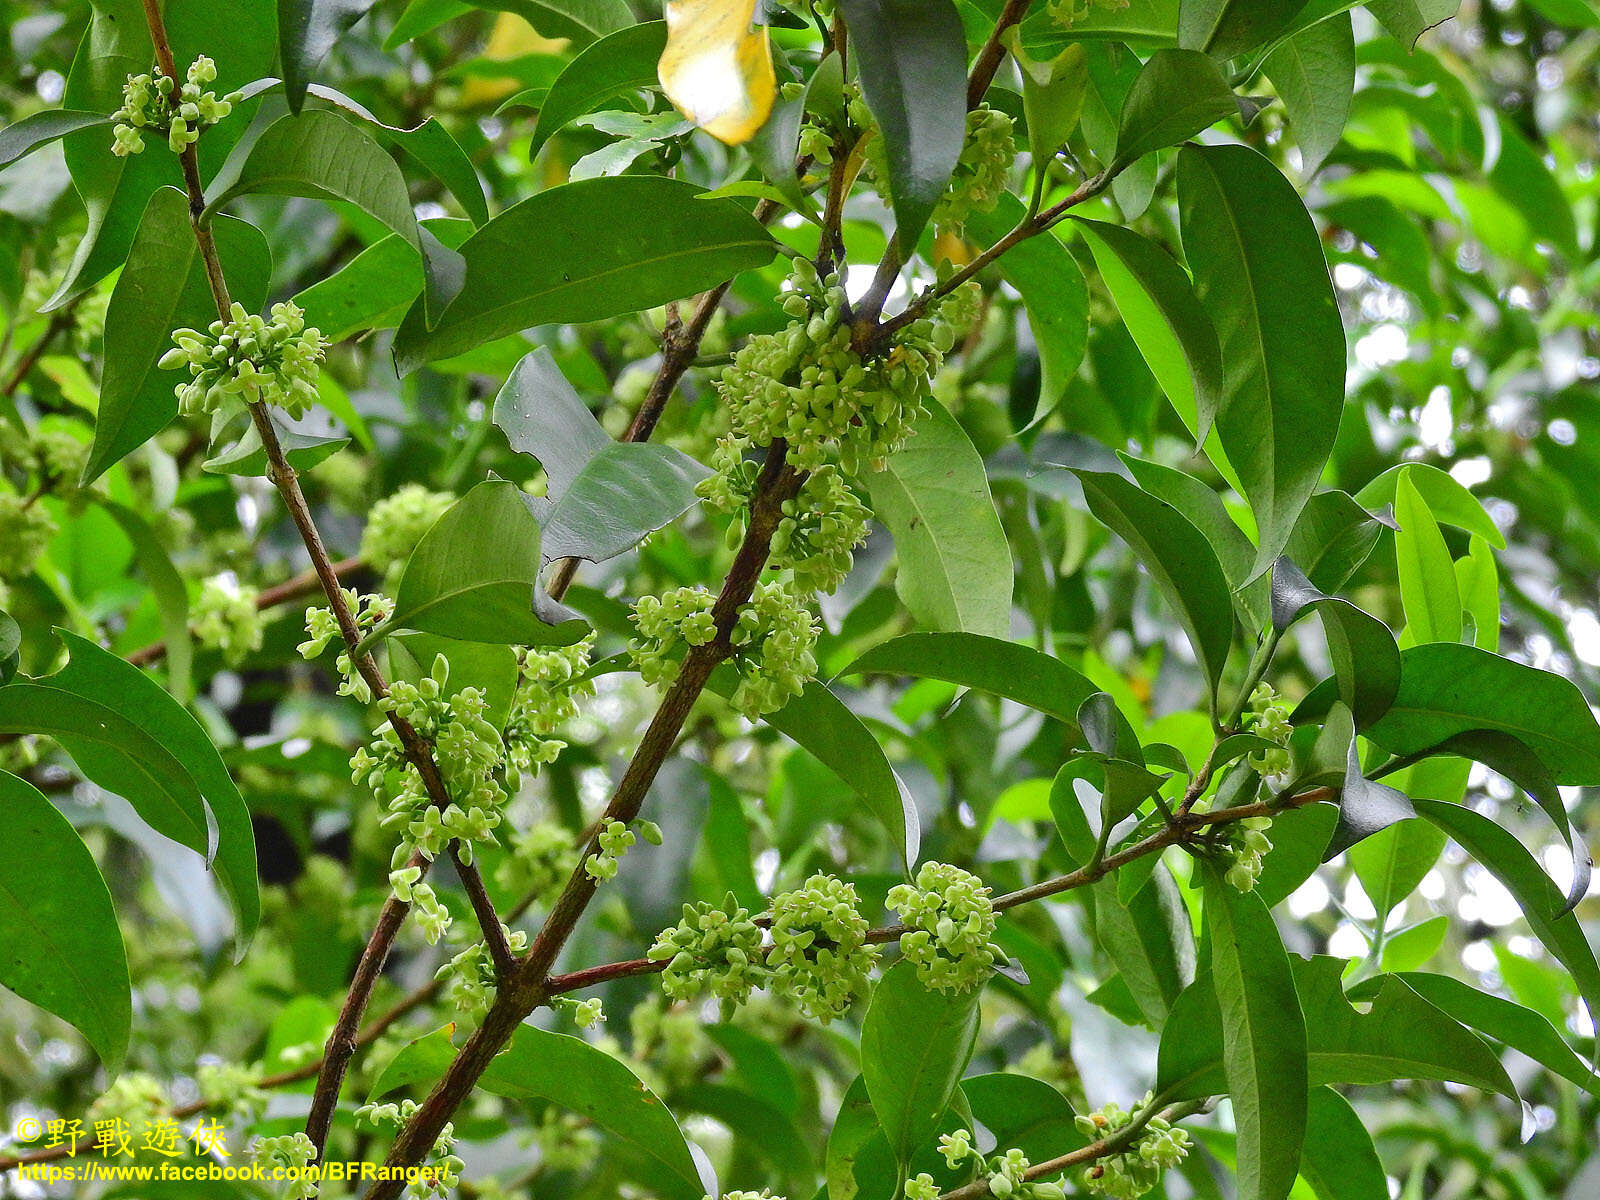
(444, 1175)
(820, 955)
(396, 524)
(249, 359)
(953, 922)
(979, 179)
(539, 861)
(225, 617)
(1245, 843)
(469, 978)
(149, 105)
(322, 627)
(232, 1088)
(1137, 1169)
(553, 681)
(715, 951)
(26, 530)
(809, 385)
(615, 839)
(1269, 718)
(288, 1157)
(1005, 1174)
(1068, 13)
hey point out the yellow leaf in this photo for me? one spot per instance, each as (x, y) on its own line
(511, 38)
(717, 67)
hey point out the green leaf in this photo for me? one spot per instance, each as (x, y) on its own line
(1366, 661)
(248, 457)
(10, 646)
(1052, 97)
(324, 155)
(915, 1044)
(1401, 1036)
(1149, 938)
(1506, 1022)
(1158, 304)
(818, 722)
(587, 251)
(1339, 1160)
(1024, 1112)
(1447, 500)
(571, 1074)
(1392, 862)
(1007, 669)
(59, 943)
(307, 31)
(911, 57)
(603, 497)
(1408, 948)
(1177, 94)
(1299, 838)
(1177, 559)
(1520, 874)
(1259, 270)
(1428, 591)
(474, 576)
(1478, 580)
(1226, 28)
(491, 669)
(23, 137)
(1263, 1039)
(1053, 292)
(1448, 689)
(1332, 539)
(1314, 74)
(166, 585)
(954, 573)
(614, 65)
(580, 20)
(372, 290)
(128, 736)
(162, 288)
(1408, 20)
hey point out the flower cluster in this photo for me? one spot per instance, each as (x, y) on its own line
(667, 625)
(539, 861)
(820, 956)
(396, 524)
(1006, 1174)
(1245, 843)
(322, 627)
(763, 1194)
(59, 455)
(552, 684)
(232, 1088)
(1269, 718)
(980, 175)
(291, 1154)
(809, 385)
(1159, 1147)
(819, 529)
(135, 1099)
(712, 950)
(774, 643)
(249, 359)
(615, 840)
(445, 1166)
(226, 618)
(148, 103)
(469, 753)
(469, 978)
(952, 922)
(1067, 13)
(25, 531)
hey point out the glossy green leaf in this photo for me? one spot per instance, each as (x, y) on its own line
(915, 1044)
(1259, 270)
(474, 576)
(818, 721)
(571, 1074)
(1177, 94)
(1149, 938)
(1478, 581)
(23, 137)
(1023, 1112)
(1263, 1039)
(1229, 27)
(60, 947)
(1177, 559)
(954, 564)
(1391, 863)
(1428, 591)
(1314, 74)
(307, 31)
(1366, 661)
(911, 57)
(582, 21)
(1053, 292)
(131, 738)
(1339, 1160)
(1448, 501)
(614, 65)
(653, 240)
(1332, 539)
(1052, 97)
(1158, 304)
(603, 497)
(1408, 20)
(1520, 874)
(162, 288)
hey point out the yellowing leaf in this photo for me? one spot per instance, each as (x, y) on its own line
(717, 67)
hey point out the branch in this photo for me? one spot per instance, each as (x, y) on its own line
(282, 475)
(59, 322)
